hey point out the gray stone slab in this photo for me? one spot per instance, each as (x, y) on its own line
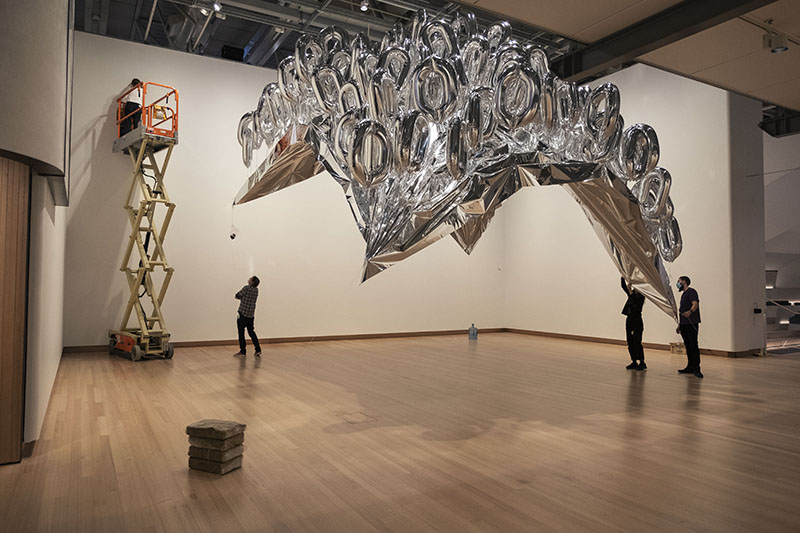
(215, 429)
(219, 456)
(214, 467)
(217, 444)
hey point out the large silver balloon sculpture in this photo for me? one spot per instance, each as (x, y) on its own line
(430, 130)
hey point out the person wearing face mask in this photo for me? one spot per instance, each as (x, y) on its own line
(634, 327)
(689, 326)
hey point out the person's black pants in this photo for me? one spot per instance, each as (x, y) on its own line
(689, 333)
(132, 122)
(634, 327)
(242, 323)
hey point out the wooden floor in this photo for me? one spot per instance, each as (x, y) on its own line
(512, 433)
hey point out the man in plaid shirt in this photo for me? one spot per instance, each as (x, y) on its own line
(247, 297)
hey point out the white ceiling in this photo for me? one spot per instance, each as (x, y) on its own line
(729, 55)
(581, 20)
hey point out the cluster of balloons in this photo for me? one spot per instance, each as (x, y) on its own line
(438, 100)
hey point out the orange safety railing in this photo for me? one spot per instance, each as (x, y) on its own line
(157, 118)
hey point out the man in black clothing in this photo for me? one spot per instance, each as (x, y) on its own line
(247, 297)
(133, 102)
(689, 326)
(634, 326)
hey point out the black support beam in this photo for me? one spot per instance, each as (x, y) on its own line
(786, 123)
(668, 26)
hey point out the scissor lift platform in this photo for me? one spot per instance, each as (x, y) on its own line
(149, 213)
(135, 136)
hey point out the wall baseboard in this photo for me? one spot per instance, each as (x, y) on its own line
(404, 334)
(27, 449)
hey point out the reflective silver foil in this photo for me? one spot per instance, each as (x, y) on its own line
(430, 130)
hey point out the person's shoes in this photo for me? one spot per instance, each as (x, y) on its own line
(641, 366)
(258, 353)
(632, 366)
(686, 370)
(698, 373)
(239, 353)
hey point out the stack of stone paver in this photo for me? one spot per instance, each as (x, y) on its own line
(215, 446)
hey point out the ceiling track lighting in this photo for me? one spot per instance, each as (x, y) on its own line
(217, 7)
(364, 5)
(775, 42)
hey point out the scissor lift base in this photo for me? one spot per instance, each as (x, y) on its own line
(132, 345)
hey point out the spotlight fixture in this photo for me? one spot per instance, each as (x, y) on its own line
(776, 42)
(204, 11)
(364, 5)
(217, 6)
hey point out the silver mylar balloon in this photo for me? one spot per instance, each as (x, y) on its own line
(327, 83)
(340, 60)
(506, 57)
(670, 242)
(474, 118)
(638, 151)
(439, 37)
(281, 110)
(371, 156)
(537, 60)
(546, 116)
(654, 192)
(602, 119)
(364, 69)
(412, 142)
(465, 26)
(434, 88)
(350, 97)
(517, 97)
(418, 22)
(333, 39)
(430, 128)
(343, 134)
(245, 136)
(475, 56)
(383, 96)
(309, 55)
(456, 150)
(497, 34)
(396, 62)
(288, 80)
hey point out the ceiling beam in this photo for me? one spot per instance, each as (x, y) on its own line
(668, 26)
(282, 37)
(786, 123)
(96, 16)
(136, 12)
(261, 45)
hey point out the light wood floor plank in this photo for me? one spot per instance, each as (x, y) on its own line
(512, 433)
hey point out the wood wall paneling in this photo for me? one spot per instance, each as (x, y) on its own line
(14, 222)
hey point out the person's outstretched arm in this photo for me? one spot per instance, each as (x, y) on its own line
(624, 285)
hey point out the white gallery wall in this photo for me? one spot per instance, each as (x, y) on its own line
(539, 267)
(559, 277)
(782, 231)
(301, 242)
(45, 303)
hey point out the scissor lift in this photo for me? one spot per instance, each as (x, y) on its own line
(149, 219)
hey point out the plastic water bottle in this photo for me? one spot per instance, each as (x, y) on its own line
(473, 333)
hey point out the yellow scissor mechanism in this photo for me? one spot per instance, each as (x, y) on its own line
(144, 262)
